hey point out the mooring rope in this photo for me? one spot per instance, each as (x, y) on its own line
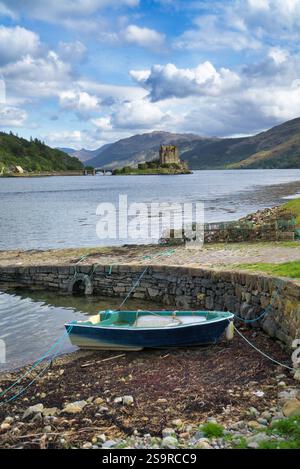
(94, 267)
(134, 287)
(261, 352)
(23, 390)
(58, 343)
(279, 287)
(169, 252)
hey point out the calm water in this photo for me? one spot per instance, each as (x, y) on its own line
(30, 322)
(55, 212)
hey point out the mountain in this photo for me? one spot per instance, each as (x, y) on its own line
(139, 148)
(33, 155)
(278, 147)
(84, 155)
(69, 151)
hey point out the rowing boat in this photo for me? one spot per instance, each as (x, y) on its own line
(136, 330)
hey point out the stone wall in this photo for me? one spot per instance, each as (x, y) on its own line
(245, 294)
(233, 232)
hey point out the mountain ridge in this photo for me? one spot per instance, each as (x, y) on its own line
(278, 147)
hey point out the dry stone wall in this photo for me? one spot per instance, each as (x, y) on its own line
(245, 294)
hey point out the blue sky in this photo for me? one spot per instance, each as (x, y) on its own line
(82, 73)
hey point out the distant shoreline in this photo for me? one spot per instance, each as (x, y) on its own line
(43, 174)
(81, 173)
(154, 174)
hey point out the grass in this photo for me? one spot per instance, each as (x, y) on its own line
(242, 444)
(287, 269)
(289, 430)
(294, 207)
(212, 430)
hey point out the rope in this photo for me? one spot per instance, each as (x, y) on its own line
(169, 252)
(83, 258)
(58, 343)
(134, 287)
(279, 286)
(93, 270)
(249, 321)
(261, 352)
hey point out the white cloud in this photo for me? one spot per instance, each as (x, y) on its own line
(81, 102)
(214, 32)
(103, 123)
(143, 37)
(33, 77)
(12, 117)
(17, 42)
(83, 16)
(207, 99)
(117, 93)
(240, 25)
(2, 91)
(281, 103)
(66, 138)
(278, 55)
(259, 5)
(53, 10)
(168, 81)
(137, 115)
(72, 51)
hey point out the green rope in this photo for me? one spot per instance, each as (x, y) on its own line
(57, 345)
(169, 252)
(279, 287)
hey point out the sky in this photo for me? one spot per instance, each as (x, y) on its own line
(83, 73)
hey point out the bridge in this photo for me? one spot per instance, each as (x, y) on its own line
(94, 171)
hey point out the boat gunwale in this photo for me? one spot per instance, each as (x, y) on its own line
(135, 328)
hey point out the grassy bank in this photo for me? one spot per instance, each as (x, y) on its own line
(294, 207)
(286, 269)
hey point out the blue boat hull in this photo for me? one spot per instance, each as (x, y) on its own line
(91, 337)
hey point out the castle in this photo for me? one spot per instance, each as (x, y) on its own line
(169, 154)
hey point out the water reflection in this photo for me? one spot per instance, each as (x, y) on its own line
(31, 321)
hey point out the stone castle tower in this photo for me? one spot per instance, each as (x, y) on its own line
(169, 154)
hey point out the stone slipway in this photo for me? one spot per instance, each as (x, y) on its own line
(216, 255)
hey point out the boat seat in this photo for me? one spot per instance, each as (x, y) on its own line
(191, 319)
(156, 321)
(94, 319)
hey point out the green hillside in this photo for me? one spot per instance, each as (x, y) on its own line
(33, 156)
(278, 147)
(283, 156)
